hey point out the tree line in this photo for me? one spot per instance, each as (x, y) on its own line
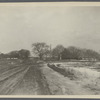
(44, 51)
(20, 54)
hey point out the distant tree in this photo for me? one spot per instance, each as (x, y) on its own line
(75, 53)
(78, 53)
(56, 52)
(40, 49)
(66, 54)
(13, 54)
(2, 55)
(48, 54)
(88, 53)
(24, 54)
(72, 53)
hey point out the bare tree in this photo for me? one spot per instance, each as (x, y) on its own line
(40, 49)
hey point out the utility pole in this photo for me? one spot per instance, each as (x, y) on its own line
(50, 52)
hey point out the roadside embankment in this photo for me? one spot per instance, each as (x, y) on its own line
(61, 85)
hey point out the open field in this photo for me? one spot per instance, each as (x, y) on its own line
(55, 78)
(86, 79)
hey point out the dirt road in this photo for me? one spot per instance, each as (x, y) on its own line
(32, 83)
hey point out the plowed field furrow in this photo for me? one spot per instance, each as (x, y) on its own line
(9, 85)
(10, 72)
(7, 68)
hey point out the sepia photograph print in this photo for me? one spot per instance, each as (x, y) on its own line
(49, 49)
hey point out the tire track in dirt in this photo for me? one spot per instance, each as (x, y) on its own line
(9, 84)
(33, 83)
(5, 75)
(28, 85)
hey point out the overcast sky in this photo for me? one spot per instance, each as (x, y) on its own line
(20, 26)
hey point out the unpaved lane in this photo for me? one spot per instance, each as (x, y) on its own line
(33, 83)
